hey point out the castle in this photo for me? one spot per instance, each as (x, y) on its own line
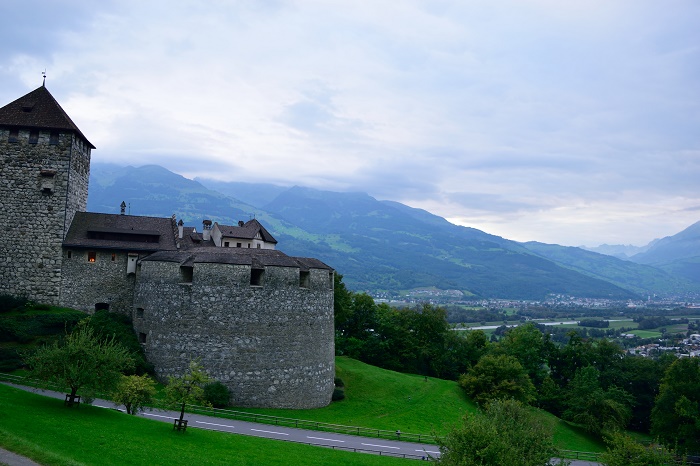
(261, 322)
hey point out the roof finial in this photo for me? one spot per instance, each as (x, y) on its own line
(43, 73)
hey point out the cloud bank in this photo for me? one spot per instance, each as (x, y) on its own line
(566, 122)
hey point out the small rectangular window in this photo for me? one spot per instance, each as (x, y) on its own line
(69, 254)
(53, 138)
(92, 256)
(142, 338)
(186, 274)
(14, 135)
(258, 246)
(304, 278)
(226, 243)
(33, 136)
(114, 256)
(139, 312)
(256, 277)
(238, 245)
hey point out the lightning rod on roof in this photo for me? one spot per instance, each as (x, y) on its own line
(43, 74)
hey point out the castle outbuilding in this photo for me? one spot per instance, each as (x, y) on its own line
(261, 322)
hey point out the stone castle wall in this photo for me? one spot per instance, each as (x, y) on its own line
(272, 345)
(86, 284)
(42, 185)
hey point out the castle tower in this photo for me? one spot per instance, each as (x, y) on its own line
(44, 172)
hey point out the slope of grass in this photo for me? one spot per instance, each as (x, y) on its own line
(383, 399)
(389, 400)
(44, 430)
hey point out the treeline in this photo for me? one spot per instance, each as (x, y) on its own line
(592, 383)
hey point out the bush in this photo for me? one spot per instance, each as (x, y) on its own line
(217, 394)
(107, 324)
(624, 451)
(338, 394)
(10, 303)
(506, 433)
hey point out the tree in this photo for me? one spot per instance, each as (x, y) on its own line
(526, 343)
(675, 418)
(596, 409)
(506, 433)
(623, 450)
(497, 378)
(342, 302)
(188, 389)
(82, 362)
(134, 392)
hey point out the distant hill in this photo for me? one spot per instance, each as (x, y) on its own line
(621, 251)
(678, 254)
(638, 278)
(376, 245)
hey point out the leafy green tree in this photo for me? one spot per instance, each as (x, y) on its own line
(82, 362)
(526, 343)
(498, 377)
(188, 389)
(675, 418)
(623, 450)
(506, 433)
(342, 302)
(641, 377)
(594, 408)
(134, 392)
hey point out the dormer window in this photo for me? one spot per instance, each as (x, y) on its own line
(27, 107)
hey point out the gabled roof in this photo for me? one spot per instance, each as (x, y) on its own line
(40, 110)
(246, 231)
(123, 232)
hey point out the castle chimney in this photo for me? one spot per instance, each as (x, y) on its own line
(123, 207)
(180, 228)
(240, 223)
(206, 230)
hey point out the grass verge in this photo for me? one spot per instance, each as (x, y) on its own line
(43, 429)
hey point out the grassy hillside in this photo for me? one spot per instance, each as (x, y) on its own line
(389, 400)
(44, 430)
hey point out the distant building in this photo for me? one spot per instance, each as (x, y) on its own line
(260, 321)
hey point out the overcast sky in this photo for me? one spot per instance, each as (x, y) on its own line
(569, 122)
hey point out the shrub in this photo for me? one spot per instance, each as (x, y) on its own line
(10, 303)
(217, 394)
(338, 394)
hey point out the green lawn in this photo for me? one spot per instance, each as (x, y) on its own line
(646, 333)
(44, 430)
(390, 400)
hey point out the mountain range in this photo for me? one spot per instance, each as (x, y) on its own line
(385, 246)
